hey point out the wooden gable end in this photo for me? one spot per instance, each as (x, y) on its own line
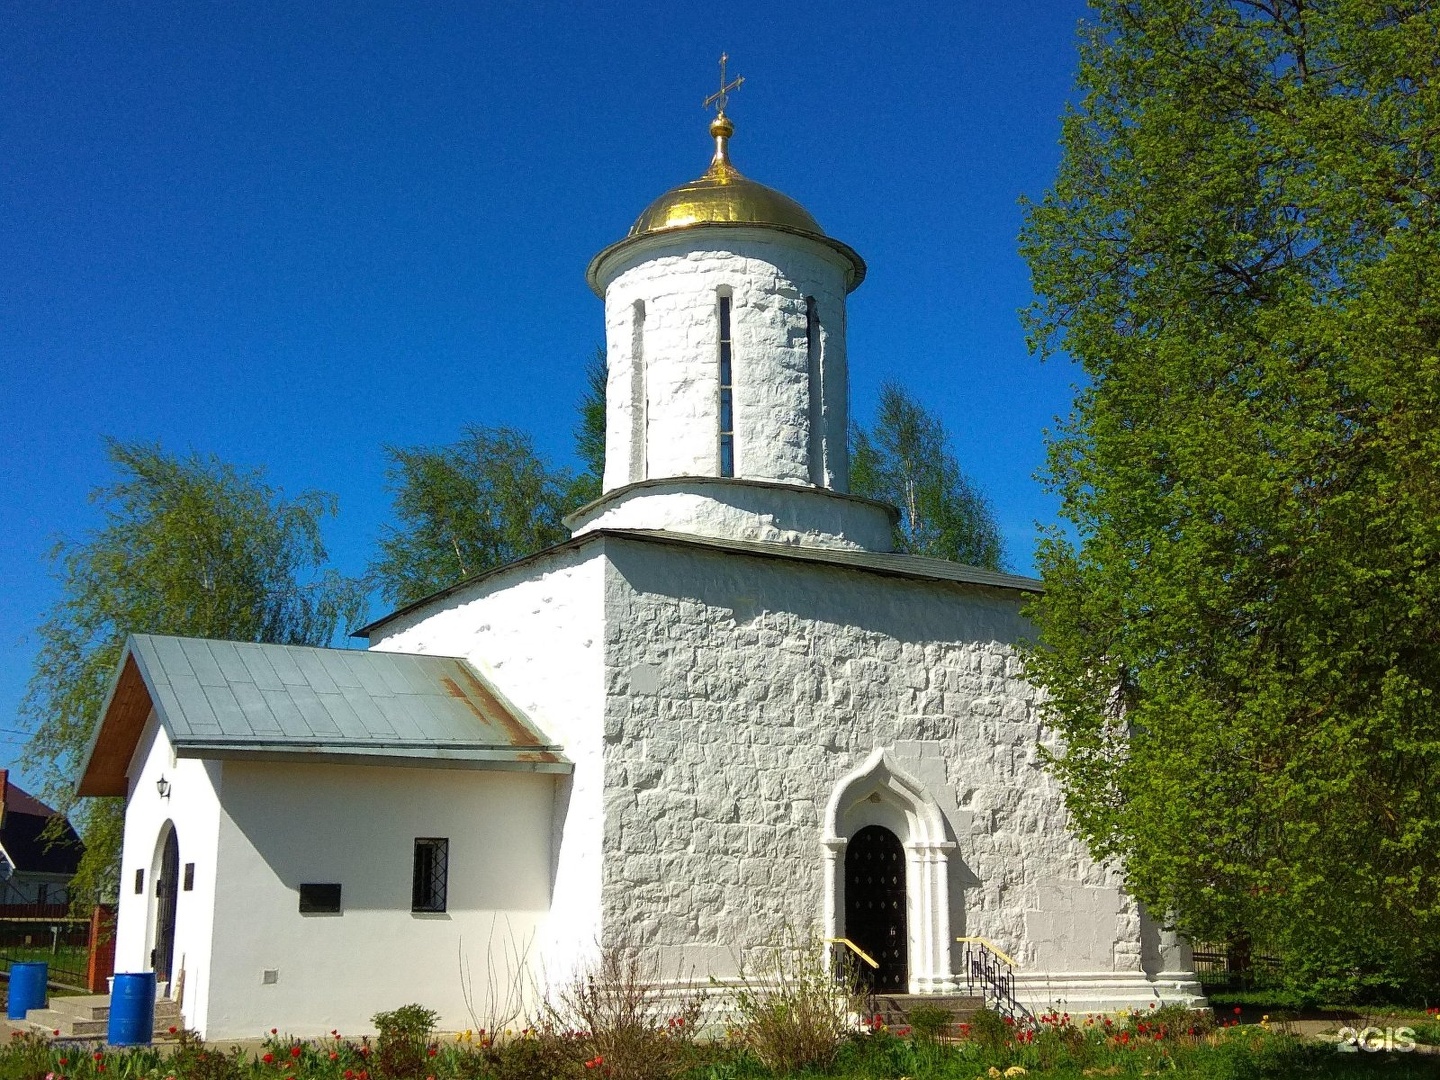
(121, 725)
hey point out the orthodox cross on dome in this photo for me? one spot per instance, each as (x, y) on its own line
(722, 127)
(722, 96)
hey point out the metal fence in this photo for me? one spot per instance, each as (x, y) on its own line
(61, 942)
(1236, 966)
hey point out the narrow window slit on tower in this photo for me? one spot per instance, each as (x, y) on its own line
(817, 393)
(637, 392)
(727, 404)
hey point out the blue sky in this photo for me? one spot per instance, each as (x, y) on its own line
(291, 234)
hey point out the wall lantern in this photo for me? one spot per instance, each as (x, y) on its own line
(163, 786)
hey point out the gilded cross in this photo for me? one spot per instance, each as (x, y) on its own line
(722, 96)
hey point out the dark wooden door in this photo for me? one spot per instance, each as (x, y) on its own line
(875, 905)
(167, 893)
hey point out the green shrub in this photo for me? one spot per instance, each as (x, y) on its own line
(193, 1060)
(539, 1053)
(618, 1015)
(989, 1029)
(929, 1022)
(402, 1050)
(27, 1057)
(793, 1013)
(879, 1053)
(1171, 1022)
(1061, 1043)
(1427, 1032)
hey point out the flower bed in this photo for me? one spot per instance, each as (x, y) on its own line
(1158, 1042)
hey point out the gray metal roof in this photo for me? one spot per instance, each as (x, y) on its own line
(890, 563)
(887, 563)
(233, 699)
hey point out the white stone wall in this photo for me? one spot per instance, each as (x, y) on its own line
(743, 510)
(537, 632)
(193, 810)
(288, 824)
(770, 274)
(742, 689)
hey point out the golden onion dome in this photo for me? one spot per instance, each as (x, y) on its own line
(723, 197)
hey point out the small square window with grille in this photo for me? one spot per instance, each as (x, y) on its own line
(319, 899)
(432, 869)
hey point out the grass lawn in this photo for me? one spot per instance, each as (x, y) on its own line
(67, 956)
(68, 964)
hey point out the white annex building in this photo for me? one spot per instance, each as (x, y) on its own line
(724, 706)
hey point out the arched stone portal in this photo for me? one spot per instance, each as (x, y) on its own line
(880, 793)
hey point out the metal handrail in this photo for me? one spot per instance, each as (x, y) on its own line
(993, 970)
(861, 953)
(988, 944)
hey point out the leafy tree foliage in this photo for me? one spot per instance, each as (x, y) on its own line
(466, 508)
(904, 461)
(1243, 640)
(188, 546)
(485, 500)
(590, 432)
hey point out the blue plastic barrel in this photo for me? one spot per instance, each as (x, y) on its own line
(27, 988)
(132, 1010)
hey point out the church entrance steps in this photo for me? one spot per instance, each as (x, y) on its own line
(87, 1016)
(894, 1009)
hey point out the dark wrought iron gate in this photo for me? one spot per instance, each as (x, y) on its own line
(167, 893)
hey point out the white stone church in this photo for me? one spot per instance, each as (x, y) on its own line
(712, 713)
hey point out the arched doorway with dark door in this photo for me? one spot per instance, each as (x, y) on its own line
(875, 906)
(167, 897)
(885, 882)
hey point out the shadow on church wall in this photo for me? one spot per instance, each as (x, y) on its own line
(906, 610)
(357, 826)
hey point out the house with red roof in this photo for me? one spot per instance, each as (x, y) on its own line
(35, 865)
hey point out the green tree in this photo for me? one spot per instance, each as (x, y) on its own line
(466, 508)
(188, 546)
(590, 432)
(1243, 637)
(904, 461)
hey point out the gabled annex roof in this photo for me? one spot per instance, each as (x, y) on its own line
(235, 699)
